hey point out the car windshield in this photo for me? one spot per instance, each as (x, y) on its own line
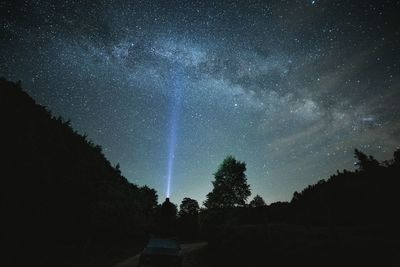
(163, 243)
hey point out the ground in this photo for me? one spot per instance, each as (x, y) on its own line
(187, 250)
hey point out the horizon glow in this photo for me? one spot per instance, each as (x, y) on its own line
(176, 99)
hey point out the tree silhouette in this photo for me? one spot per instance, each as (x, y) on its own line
(257, 201)
(296, 196)
(189, 207)
(59, 188)
(365, 162)
(367, 195)
(230, 185)
(148, 200)
(396, 157)
(189, 218)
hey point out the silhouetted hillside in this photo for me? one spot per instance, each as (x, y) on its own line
(348, 220)
(60, 196)
(366, 196)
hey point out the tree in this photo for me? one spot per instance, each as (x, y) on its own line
(257, 201)
(189, 219)
(149, 199)
(118, 168)
(189, 207)
(396, 157)
(230, 185)
(296, 196)
(365, 162)
(59, 179)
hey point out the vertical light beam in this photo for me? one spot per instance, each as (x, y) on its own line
(177, 84)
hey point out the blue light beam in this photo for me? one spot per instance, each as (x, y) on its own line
(176, 102)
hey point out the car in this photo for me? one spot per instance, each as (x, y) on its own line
(161, 252)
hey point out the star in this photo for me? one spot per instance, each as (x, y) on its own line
(280, 89)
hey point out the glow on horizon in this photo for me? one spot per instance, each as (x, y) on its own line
(176, 97)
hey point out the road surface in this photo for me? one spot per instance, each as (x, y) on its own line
(186, 249)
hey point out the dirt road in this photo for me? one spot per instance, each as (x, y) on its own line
(186, 249)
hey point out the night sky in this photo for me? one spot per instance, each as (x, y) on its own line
(169, 89)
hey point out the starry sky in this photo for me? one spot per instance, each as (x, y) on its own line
(170, 88)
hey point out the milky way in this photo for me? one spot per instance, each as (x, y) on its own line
(289, 87)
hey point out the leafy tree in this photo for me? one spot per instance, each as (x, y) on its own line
(189, 219)
(257, 201)
(118, 168)
(189, 207)
(365, 162)
(230, 185)
(396, 157)
(149, 198)
(296, 196)
(58, 179)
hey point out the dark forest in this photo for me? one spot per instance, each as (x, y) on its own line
(65, 204)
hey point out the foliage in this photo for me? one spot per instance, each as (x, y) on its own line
(58, 188)
(189, 207)
(149, 199)
(365, 162)
(396, 157)
(230, 185)
(257, 202)
(347, 217)
(188, 219)
(366, 196)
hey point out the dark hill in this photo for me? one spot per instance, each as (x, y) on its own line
(350, 219)
(367, 196)
(59, 195)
